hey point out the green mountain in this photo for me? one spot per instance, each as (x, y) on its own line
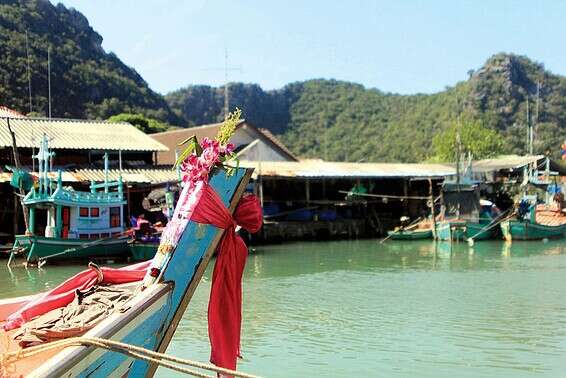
(344, 121)
(86, 82)
(331, 119)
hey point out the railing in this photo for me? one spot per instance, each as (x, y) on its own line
(86, 197)
(98, 197)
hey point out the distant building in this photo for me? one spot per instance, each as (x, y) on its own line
(252, 143)
(79, 147)
(76, 141)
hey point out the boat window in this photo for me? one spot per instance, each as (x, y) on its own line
(115, 217)
(83, 212)
(116, 234)
(83, 236)
(94, 236)
(94, 212)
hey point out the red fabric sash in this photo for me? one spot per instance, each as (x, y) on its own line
(225, 304)
(64, 293)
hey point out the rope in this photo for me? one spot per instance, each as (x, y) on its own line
(8, 359)
(385, 196)
(497, 221)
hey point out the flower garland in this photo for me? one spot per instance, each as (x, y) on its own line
(199, 158)
(196, 162)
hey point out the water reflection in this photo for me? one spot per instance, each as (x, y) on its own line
(397, 309)
(308, 258)
(394, 309)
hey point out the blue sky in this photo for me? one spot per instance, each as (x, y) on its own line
(403, 46)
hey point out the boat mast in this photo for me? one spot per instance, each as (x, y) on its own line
(529, 129)
(106, 172)
(458, 152)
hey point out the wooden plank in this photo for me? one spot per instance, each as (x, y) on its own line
(189, 292)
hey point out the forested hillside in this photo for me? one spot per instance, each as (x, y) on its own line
(86, 82)
(330, 119)
(345, 121)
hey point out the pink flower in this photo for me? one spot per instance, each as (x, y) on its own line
(209, 156)
(229, 148)
(207, 143)
(196, 168)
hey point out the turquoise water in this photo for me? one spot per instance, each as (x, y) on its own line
(338, 309)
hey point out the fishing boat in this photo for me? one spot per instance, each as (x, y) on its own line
(534, 220)
(146, 241)
(77, 224)
(157, 292)
(419, 231)
(416, 234)
(464, 215)
(542, 222)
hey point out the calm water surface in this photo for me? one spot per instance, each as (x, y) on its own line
(338, 309)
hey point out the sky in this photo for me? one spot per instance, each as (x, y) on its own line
(400, 46)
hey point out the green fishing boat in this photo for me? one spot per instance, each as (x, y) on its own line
(464, 215)
(534, 220)
(77, 224)
(518, 230)
(463, 230)
(415, 234)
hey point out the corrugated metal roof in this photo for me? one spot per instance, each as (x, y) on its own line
(7, 112)
(77, 134)
(324, 169)
(515, 162)
(137, 175)
(504, 162)
(148, 175)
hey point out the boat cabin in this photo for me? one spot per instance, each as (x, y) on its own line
(460, 201)
(71, 214)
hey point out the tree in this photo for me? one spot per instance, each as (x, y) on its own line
(147, 125)
(475, 138)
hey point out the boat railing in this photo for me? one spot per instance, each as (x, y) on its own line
(99, 197)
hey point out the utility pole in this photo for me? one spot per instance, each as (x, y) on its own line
(49, 78)
(226, 91)
(29, 72)
(226, 69)
(22, 193)
(535, 124)
(30, 102)
(538, 98)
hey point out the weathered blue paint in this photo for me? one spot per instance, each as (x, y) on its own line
(146, 335)
(181, 270)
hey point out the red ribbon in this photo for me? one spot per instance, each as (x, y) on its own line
(225, 304)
